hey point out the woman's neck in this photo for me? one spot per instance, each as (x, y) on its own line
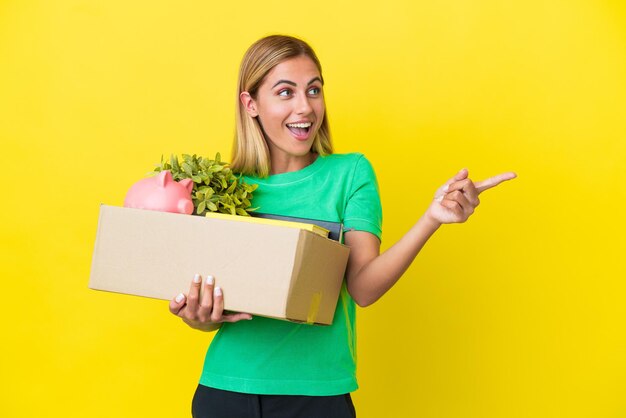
(290, 163)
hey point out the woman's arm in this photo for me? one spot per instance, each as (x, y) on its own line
(370, 275)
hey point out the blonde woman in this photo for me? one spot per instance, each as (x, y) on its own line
(261, 367)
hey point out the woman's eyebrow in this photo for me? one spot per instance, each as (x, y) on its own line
(286, 82)
(291, 83)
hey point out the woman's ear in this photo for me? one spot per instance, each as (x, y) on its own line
(249, 104)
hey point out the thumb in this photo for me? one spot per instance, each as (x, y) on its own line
(461, 175)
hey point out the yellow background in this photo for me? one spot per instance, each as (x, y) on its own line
(521, 312)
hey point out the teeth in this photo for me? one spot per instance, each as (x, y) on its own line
(299, 125)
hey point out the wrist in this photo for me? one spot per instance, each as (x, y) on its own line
(429, 223)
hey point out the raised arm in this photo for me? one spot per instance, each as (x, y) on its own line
(370, 274)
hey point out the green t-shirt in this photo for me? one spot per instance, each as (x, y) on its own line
(271, 356)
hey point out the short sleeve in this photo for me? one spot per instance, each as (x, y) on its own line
(363, 210)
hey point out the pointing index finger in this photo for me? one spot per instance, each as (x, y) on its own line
(481, 186)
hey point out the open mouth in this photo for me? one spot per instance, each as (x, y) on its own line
(300, 129)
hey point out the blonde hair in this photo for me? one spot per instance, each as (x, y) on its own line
(250, 153)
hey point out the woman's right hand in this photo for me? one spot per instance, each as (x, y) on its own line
(204, 310)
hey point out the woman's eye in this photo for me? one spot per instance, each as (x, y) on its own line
(314, 91)
(284, 93)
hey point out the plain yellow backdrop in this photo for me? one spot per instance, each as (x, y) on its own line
(520, 312)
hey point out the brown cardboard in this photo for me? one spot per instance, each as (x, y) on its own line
(266, 270)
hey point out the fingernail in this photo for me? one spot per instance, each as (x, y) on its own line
(179, 298)
(210, 280)
(196, 278)
(218, 291)
(446, 187)
(439, 198)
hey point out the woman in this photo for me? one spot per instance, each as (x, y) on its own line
(272, 368)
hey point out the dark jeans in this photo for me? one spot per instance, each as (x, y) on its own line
(216, 403)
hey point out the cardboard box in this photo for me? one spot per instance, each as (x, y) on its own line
(266, 270)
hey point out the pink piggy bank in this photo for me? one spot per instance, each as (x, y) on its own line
(161, 193)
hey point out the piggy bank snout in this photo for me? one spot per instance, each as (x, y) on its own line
(185, 206)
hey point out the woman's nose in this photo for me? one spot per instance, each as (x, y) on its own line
(303, 106)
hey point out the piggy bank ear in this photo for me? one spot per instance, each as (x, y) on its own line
(188, 184)
(164, 178)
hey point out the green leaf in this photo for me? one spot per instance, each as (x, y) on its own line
(187, 169)
(201, 208)
(196, 179)
(174, 162)
(211, 206)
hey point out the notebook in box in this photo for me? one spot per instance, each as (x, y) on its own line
(335, 228)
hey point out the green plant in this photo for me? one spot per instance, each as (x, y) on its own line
(215, 187)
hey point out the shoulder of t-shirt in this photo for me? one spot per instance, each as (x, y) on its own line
(354, 165)
(345, 157)
(348, 160)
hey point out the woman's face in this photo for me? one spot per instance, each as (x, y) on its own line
(290, 108)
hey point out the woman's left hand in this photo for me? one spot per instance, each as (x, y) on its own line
(456, 200)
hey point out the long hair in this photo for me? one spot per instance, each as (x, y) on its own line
(250, 153)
